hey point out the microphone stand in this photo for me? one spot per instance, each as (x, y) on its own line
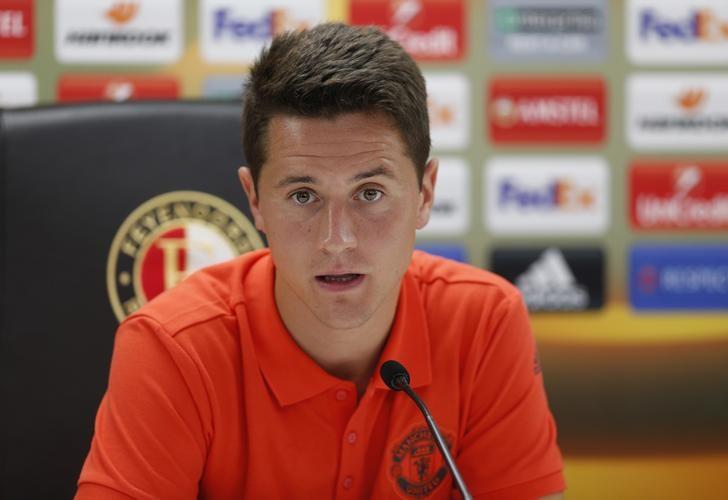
(403, 384)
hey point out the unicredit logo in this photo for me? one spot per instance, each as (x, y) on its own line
(16, 30)
(691, 196)
(699, 25)
(559, 194)
(12, 24)
(440, 41)
(427, 29)
(682, 208)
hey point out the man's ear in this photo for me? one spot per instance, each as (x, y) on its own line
(427, 192)
(246, 180)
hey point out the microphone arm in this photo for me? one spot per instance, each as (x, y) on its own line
(400, 382)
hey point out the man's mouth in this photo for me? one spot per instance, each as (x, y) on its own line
(343, 282)
(335, 279)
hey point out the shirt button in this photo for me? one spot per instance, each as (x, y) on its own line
(341, 394)
(348, 481)
(351, 437)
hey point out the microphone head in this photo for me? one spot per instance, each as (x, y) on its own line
(392, 373)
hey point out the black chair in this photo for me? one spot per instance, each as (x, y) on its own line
(69, 178)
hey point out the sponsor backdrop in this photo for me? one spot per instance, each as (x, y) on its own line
(584, 148)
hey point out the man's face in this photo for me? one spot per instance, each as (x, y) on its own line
(339, 202)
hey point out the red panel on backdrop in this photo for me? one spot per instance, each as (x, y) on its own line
(427, 29)
(560, 110)
(73, 88)
(679, 195)
(16, 29)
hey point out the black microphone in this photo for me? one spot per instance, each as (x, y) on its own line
(395, 376)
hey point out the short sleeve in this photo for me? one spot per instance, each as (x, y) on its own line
(508, 449)
(150, 432)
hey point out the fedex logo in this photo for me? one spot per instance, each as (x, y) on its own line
(701, 24)
(552, 195)
(235, 32)
(226, 23)
(677, 31)
(559, 194)
(270, 24)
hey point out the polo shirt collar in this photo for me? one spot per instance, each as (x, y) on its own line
(293, 376)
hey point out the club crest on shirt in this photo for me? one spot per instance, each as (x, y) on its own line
(417, 467)
(169, 237)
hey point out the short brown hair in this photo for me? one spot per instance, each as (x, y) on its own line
(332, 69)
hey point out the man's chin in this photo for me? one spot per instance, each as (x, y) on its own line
(342, 320)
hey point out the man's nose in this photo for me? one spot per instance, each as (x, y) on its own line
(338, 232)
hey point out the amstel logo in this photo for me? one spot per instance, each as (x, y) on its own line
(169, 237)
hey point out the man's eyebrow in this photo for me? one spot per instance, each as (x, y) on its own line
(382, 170)
(307, 179)
(296, 179)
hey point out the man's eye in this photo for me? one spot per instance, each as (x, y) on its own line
(371, 194)
(302, 197)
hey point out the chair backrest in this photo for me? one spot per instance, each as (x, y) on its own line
(80, 199)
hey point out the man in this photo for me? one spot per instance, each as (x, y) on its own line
(258, 378)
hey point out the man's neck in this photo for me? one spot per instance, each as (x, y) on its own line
(349, 354)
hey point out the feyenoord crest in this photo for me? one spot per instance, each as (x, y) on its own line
(169, 237)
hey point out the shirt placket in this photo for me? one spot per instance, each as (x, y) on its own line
(344, 397)
(354, 441)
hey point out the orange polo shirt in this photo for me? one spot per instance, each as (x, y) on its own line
(210, 397)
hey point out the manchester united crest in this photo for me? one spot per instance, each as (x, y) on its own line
(417, 465)
(169, 237)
